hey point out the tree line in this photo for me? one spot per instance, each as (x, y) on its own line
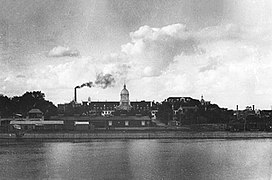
(202, 114)
(20, 105)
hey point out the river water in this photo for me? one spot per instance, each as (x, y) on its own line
(137, 159)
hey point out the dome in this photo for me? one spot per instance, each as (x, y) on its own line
(124, 91)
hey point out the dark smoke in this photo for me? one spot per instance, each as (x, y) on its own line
(102, 81)
(88, 84)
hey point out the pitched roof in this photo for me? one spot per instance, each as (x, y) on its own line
(101, 118)
(120, 118)
(35, 111)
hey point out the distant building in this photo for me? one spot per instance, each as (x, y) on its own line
(203, 102)
(183, 109)
(178, 99)
(141, 105)
(35, 114)
(107, 108)
(124, 100)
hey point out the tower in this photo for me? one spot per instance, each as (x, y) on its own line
(124, 100)
(202, 101)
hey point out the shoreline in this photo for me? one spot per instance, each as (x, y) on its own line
(137, 135)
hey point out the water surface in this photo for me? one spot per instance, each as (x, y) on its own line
(138, 159)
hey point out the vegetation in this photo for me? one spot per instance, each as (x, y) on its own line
(192, 112)
(22, 104)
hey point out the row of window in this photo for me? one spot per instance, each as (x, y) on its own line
(126, 123)
(112, 108)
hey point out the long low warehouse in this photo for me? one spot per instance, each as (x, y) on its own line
(78, 123)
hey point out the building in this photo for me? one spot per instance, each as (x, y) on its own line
(184, 109)
(141, 105)
(107, 114)
(35, 114)
(124, 100)
(35, 121)
(178, 99)
(107, 108)
(203, 102)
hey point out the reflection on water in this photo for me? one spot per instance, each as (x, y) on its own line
(138, 159)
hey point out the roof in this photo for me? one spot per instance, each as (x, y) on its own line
(81, 122)
(140, 102)
(125, 91)
(102, 118)
(36, 111)
(180, 97)
(122, 118)
(35, 122)
(104, 102)
(186, 107)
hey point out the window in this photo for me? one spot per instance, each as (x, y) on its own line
(126, 123)
(110, 123)
(143, 123)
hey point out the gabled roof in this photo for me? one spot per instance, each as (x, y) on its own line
(35, 111)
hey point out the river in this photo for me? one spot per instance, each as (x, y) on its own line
(137, 159)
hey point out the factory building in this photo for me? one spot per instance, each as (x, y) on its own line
(107, 108)
(106, 114)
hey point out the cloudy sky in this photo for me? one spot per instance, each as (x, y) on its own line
(221, 49)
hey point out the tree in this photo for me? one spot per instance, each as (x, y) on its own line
(165, 113)
(22, 104)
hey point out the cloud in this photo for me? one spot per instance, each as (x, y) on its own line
(212, 64)
(21, 76)
(229, 64)
(61, 51)
(151, 50)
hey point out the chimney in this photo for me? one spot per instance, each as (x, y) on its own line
(237, 111)
(253, 107)
(75, 100)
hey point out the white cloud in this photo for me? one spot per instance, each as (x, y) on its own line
(229, 64)
(151, 50)
(61, 51)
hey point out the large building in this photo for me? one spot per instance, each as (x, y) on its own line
(107, 114)
(91, 115)
(124, 100)
(107, 108)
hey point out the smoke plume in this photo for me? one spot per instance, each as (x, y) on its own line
(88, 84)
(102, 80)
(105, 81)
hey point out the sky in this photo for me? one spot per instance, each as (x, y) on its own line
(220, 49)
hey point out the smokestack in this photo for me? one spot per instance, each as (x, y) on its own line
(102, 81)
(75, 100)
(237, 110)
(253, 107)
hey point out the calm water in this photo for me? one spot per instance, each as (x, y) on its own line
(138, 159)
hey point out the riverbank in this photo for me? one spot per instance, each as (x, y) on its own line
(138, 135)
